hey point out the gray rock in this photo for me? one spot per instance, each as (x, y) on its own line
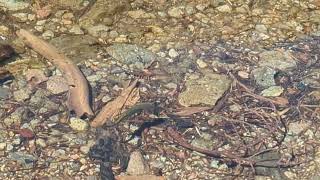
(26, 160)
(137, 164)
(277, 60)
(40, 101)
(77, 48)
(206, 90)
(272, 91)
(4, 93)
(131, 55)
(312, 78)
(264, 76)
(22, 94)
(57, 84)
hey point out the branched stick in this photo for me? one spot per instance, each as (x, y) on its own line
(78, 99)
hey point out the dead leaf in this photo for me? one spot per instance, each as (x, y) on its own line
(128, 97)
(140, 177)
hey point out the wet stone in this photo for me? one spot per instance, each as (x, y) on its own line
(206, 90)
(264, 76)
(137, 164)
(312, 78)
(22, 94)
(272, 91)
(4, 93)
(131, 55)
(78, 124)
(77, 48)
(26, 160)
(57, 84)
(282, 60)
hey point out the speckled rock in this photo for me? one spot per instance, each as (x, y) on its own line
(264, 76)
(22, 94)
(272, 91)
(206, 90)
(282, 60)
(78, 124)
(137, 164)
(131, 55)
(57, 84)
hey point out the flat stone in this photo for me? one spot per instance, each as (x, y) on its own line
(57, 84)
(272, 91)
(137, 164)
(4, 93)
(132, 55)
(15, 118)
(40, 102)
(312, 78)
(22, 94)
(206, 90)
(26, 160)
(264, 76)
(77, 48)
(282, 60)
(78, 124)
